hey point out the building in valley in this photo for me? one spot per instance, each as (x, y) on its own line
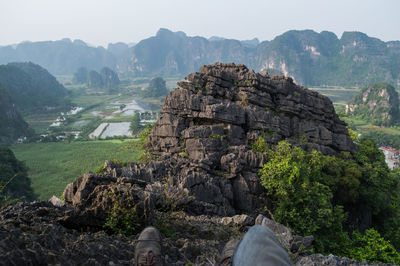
(391, 157)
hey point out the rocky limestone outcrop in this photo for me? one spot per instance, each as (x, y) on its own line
(202, 189)
(36, 234)
(239, 105)
(203, 143)
(208, 125)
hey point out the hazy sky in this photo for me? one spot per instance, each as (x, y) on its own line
(100, 22)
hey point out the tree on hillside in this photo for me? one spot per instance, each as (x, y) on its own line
(80, 76)
(156, 88)
(330, 196)
(135, 126)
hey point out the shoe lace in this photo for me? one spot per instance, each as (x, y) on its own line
(149, 259)
(225, 261)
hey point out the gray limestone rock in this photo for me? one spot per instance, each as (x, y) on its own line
(215, 116)
(205, 166)
(56, 201)
(332, 260)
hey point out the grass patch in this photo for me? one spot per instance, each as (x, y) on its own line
(54, 165)
(386, 130)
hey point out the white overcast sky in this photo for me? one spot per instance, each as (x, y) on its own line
(100, 22)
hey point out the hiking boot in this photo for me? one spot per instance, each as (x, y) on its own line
(227, 253)
(148, 248)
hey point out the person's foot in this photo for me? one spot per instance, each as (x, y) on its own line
(227, 253)
(148, 248)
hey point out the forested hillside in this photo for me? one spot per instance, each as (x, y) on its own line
(13, 125)
(376, 103)
(14, 181)
(32, 87)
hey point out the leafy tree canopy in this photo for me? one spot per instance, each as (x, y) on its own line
(156, 88)
(135, 126)
(330, 196)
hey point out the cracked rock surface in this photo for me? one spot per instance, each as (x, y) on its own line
(202, 144)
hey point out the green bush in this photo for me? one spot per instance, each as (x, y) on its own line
(327, 196)
(123, 217)
(6, 200)
(372, 247)
(301, 199)
(173, 198)
(135, 126)
(260, 145)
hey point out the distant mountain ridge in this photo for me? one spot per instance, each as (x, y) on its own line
(60, 57)
(309, 57)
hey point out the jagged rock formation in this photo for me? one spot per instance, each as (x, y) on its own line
(206, 168)
(208, 125)
(31, 234)
(376, 103)
(239, 104)
(36, 234)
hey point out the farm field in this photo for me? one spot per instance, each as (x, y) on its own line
(97, 105)
(338, 95)
(54, 165)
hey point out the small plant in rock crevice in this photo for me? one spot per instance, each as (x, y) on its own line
(123, 217)
(245, 101)
(172, 198)
(260, 145)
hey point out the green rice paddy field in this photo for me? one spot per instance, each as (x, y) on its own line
(54, 165)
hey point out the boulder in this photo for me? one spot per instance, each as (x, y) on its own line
(56, 201)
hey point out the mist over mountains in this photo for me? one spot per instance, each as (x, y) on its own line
(309, 57)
